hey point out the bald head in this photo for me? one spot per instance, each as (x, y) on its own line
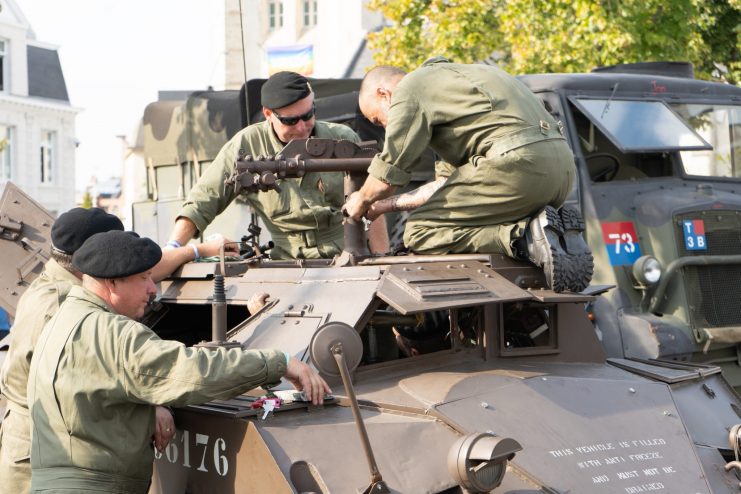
(376, 90)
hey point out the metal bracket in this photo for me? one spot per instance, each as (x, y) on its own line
(26, 266)
(10, 229)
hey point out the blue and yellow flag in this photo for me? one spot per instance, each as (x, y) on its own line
(296, 58)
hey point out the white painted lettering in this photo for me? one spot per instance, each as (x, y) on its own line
(559, 453)
(202, 439)
(668, 470)
(650, 471)
(614, 459)
(627, 475)
(653, 486)
(601, 479)
(654, 455)
(220, 460)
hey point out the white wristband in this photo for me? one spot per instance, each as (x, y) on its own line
(195, 252)
(288, 357)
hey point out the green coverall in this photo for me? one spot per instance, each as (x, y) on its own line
(510, 157)
(37, 305)
(304, 219)
(93, 380)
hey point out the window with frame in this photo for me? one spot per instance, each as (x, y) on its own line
(275, 14)
(310, 13)
(6, 152)
(3, 56)
(48, 155)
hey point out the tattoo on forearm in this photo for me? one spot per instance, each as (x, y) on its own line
(414, 199)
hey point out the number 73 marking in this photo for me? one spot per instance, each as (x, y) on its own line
(624, 240)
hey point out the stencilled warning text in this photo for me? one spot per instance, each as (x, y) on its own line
(639, 465)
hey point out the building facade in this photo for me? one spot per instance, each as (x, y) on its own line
(37, 122)
(318, 38)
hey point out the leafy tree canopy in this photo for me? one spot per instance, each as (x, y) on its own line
(530, 36)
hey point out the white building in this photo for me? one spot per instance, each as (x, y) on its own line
(37, 122)
(318, 38)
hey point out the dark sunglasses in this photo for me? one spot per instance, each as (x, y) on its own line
(294, 120)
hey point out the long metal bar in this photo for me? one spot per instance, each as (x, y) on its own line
(337, 352)
(298, 166)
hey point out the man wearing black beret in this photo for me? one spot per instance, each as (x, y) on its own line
(97, 372)
(304, 219)
(37, 305)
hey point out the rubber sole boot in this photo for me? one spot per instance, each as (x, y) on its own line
(543, 237)
(579, 271)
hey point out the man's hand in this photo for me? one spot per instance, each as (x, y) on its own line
(355, 207)
(305, 379)
(257, 302)
(212, 246)
(164, 428)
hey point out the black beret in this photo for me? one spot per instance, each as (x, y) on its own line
(283, 89)
(75, 226)
(116, 254)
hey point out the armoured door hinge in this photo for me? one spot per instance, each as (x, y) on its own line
(10, 229)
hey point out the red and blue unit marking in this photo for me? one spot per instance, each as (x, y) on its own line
(621, 242)
(694, 235)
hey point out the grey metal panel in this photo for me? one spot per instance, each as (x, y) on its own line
(444, 285)
(706, 407)
(712, 461)
(25, 231)
(549, 296)
(290, 334)
(411, 451)
(590, 435)
(167, 211)
(144, 219)
(668, 372)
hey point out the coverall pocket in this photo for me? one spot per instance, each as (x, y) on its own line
(275, 203)
(14, 449)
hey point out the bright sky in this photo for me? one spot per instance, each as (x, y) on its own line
(117, 54)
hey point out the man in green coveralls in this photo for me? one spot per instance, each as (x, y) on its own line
(304, 219)
(512, 167)
(37, 305)
(96, 373)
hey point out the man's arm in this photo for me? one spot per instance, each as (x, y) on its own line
(174, 258)
(405, 202)
(371, 191)
(183, 231)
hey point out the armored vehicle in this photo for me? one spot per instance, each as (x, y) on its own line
(659, 161)
(450, 374)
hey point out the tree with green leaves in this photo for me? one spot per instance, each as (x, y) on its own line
(87, 200)
(530, 36)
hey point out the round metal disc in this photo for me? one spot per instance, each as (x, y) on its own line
(326, 337)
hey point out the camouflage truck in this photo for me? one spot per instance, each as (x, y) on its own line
(659, 162)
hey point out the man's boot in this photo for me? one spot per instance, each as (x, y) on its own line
(577, 248)
(543, 237)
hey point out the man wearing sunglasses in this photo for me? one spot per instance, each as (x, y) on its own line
(304, 219)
